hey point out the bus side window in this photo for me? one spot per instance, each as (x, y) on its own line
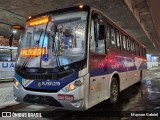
(132, 47)
(126, 39)
(118, 40)
(108, 42)
(112, 38)
(121, 41)
(137, 50)
(101, 41)
(124, 42)
(97, 45)
(92, 43)
(129, 45)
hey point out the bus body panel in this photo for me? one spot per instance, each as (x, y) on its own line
(104, 67)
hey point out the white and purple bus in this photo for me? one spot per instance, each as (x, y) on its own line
(75, 58)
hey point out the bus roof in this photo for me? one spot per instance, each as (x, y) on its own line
(63, 10)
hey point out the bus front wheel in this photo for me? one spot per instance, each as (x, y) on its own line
(114, 90)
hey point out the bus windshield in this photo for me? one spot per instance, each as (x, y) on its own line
(62, 39)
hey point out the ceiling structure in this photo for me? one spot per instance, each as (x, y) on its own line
(146, 14)
(137, 17)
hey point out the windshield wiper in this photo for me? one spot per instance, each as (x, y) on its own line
(59, 66)
(36, 44)
(43, 44)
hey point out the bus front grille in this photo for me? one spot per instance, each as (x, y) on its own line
(44, 76)
(40, 90)
(44, 100)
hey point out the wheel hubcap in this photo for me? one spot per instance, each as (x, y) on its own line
(114, 92)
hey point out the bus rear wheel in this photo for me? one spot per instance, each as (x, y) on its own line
(114, 90)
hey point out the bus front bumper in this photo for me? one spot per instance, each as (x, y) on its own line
(73, 100)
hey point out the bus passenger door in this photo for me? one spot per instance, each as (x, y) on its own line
(96, 56)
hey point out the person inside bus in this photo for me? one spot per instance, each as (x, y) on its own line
(68, 40)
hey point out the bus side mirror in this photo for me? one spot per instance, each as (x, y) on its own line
(101, 32)
(12, 28)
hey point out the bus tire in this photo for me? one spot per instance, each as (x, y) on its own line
(114, 91)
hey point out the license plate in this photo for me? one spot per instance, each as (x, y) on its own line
(65, 97)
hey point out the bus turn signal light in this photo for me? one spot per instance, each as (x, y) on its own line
(16, 83)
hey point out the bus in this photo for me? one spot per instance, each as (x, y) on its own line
(75, 58)
(7, 62)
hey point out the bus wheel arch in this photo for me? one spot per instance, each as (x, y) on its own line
(114, 88)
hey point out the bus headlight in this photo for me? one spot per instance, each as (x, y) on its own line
(16, 82)
(73, 85)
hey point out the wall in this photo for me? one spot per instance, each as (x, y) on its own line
(5, 41)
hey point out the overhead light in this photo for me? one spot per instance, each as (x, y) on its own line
(14, 31)
(81, 6)
(29, 17)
